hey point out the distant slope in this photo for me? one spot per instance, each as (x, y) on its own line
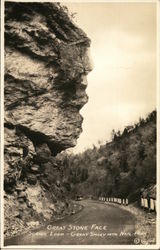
(124, 167)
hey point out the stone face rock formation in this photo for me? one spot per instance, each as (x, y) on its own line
(46, 63)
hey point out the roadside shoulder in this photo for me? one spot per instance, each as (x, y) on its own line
(145, 224)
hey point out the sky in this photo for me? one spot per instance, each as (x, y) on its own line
(122, 85)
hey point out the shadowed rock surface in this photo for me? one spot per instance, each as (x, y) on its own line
(46, 63)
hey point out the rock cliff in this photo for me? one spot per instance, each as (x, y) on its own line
(46, 63)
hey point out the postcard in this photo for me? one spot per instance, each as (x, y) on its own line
(79, 124)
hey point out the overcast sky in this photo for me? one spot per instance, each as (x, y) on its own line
(122, 85)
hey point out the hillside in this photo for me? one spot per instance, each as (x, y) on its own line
(124, 167)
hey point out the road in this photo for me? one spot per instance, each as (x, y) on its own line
(96, 224)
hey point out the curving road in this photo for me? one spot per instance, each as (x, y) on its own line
(96, 224)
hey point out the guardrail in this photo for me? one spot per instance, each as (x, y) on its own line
(120, 201)
(149, 204)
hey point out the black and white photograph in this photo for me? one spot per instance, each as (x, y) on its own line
(79, 117)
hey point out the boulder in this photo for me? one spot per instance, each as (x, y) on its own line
(22, 194)
(33, 223)
(20, 188)
(35, 168)
(45, 184)
(29, 204)
(101, 160)
(32, 179)
(52, 207)
(58, 184)
(21, 200)
(43, 153)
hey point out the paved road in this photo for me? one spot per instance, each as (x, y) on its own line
(96, 224)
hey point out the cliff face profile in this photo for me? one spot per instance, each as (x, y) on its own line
(46, 63)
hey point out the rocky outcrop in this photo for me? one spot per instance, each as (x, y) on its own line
(46, 63)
